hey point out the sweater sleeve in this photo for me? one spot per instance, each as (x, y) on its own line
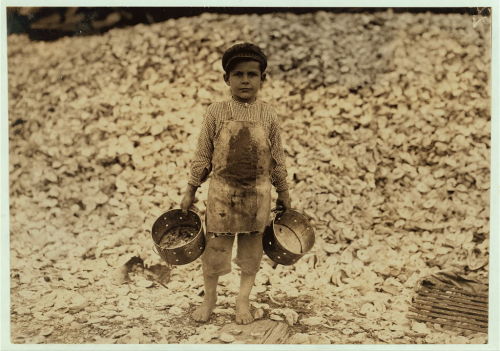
(278, 170)
(201, 165)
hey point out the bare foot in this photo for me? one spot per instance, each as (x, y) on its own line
(203, 312)
(243, 314)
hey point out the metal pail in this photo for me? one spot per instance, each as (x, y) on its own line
(178, 237)
(289, 236)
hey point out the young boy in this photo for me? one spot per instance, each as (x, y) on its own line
(240, 145)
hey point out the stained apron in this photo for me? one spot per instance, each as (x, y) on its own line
(239, 194)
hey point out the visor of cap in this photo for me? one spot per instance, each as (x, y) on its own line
(246, 55)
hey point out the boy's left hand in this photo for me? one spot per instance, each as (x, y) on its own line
(283, 202)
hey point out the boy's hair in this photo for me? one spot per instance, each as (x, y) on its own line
(243, 51)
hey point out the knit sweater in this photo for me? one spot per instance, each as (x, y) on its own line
(216, 114)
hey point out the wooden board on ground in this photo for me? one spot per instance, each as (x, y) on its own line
(258, 332)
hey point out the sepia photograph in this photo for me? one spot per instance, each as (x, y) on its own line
(248, 175)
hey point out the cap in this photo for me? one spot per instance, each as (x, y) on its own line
(244, 50)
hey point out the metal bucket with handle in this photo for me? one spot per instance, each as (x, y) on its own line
(178, 237)
(288, 237)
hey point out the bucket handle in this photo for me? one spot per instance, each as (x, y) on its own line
(279, 210)
(155, 250)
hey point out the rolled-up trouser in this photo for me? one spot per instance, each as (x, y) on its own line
(216, 259)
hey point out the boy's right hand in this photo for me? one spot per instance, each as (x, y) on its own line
(283, 202)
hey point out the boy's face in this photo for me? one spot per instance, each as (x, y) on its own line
(245, 80)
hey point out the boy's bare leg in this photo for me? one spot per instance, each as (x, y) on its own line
(243, 314)
(203, 312)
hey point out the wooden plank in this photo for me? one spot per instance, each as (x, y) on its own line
(444, 322)
(445, 310)
(464, 305)
(451, 298)
(276, 335)
(452, 289)
(263, 331)
(444, 283)
(451, 318)
(452, 305)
